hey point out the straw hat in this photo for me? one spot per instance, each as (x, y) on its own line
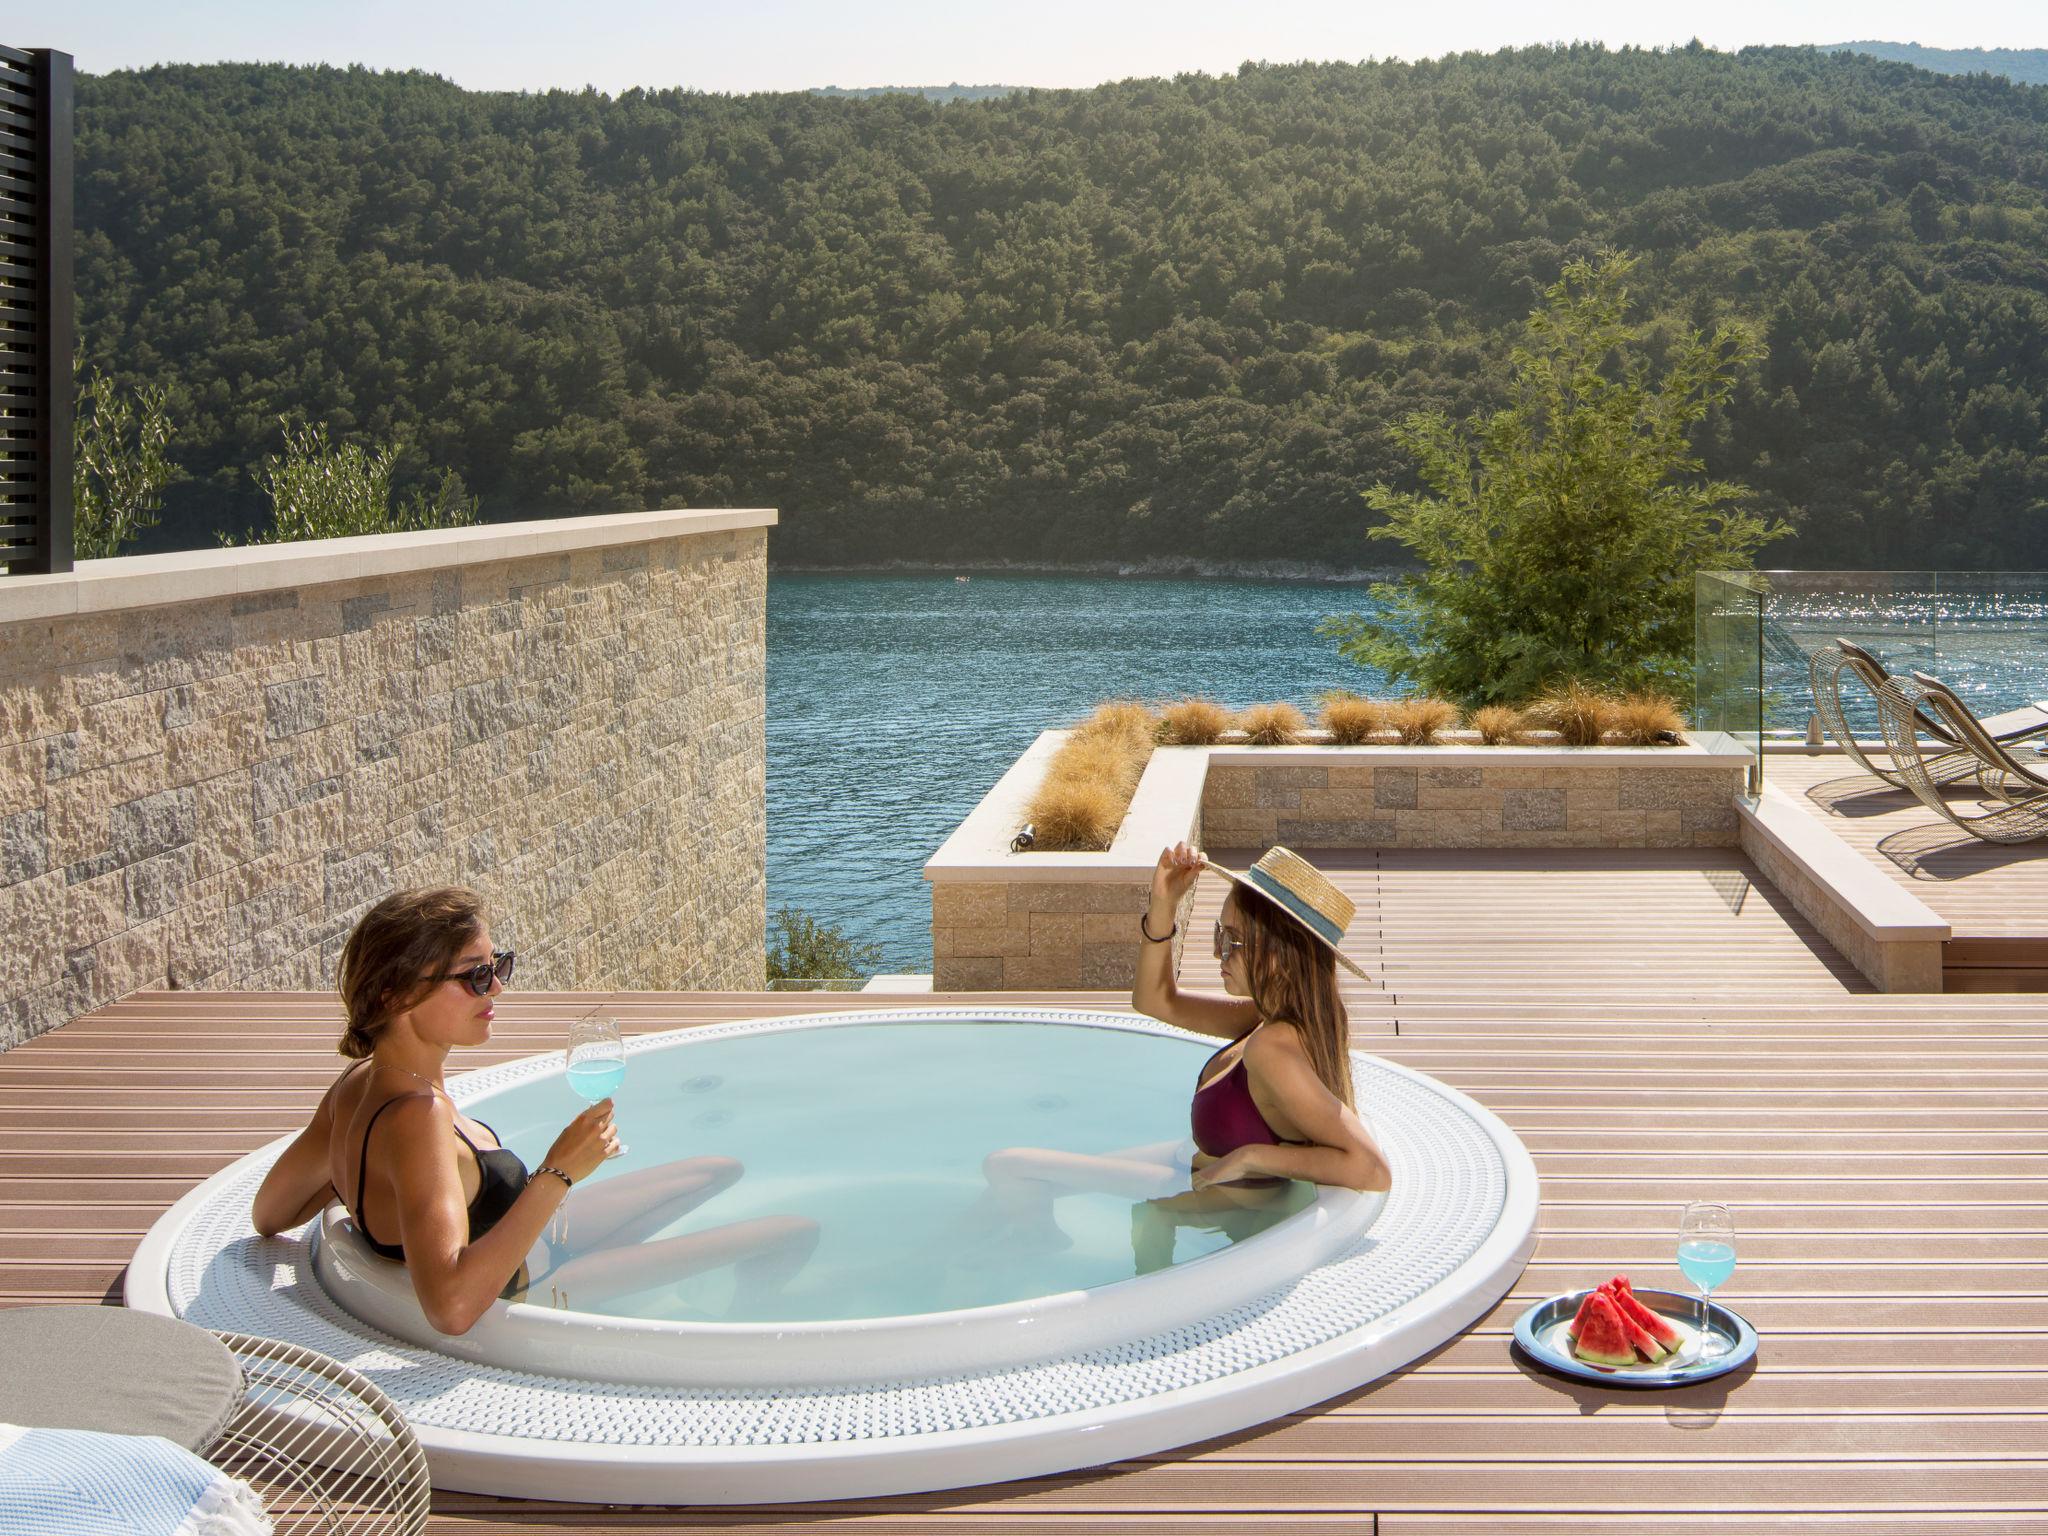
(1305, 893)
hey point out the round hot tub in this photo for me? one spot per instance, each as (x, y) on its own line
(901, 1338)
(862, 1146)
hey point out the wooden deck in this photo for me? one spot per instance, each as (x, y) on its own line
(1995, 896)
(1887, 1158)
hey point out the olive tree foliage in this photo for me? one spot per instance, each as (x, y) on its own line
(119, 461)
(320, 489)
(800, 948)
(1558, 537)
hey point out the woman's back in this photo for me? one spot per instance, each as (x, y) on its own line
(367, 1129)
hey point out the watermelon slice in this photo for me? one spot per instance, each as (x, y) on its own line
(1578, 1322)
(1657, 1327)
(1603, 1337)
(1647, 1347)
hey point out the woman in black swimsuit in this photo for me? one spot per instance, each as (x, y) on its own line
(433, 1189)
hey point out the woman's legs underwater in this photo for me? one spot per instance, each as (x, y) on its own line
(609, 1224)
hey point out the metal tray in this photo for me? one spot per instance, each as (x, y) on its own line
(1539, 1333)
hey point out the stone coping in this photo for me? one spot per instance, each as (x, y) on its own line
(150, 581)
(1167, 806)
(1866, 895)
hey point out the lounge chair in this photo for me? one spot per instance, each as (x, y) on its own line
(2002, 774)
(1950, 761)
(1903, 704)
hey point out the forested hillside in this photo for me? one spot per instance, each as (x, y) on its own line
(1157, 317)
(2026, 65)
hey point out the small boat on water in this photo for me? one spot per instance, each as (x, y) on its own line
(963, 578)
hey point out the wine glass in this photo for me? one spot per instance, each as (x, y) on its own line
(1706, 1252)
(596, 1058)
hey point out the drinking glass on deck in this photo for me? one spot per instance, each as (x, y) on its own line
(1706, 1253)
(596, 1058)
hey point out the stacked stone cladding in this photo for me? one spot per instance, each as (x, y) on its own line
(208, 794)
(1466, 801)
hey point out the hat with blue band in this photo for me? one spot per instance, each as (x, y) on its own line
(1305, 894)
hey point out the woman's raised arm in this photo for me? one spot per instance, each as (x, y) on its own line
(1156, 992)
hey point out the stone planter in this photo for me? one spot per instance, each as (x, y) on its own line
(1067, 921)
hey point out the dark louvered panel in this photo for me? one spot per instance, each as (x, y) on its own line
(35, 311)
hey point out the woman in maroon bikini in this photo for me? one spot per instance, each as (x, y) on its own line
(1275, 1103)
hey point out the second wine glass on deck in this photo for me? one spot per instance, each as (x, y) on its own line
(1706, 1253)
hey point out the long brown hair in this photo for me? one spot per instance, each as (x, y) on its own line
(1293, 977)
(403, 938)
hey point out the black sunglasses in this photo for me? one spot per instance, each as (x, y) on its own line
(478, 977)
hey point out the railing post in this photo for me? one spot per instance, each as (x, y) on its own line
(36, 310)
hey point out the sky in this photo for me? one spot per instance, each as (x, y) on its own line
(783, 45)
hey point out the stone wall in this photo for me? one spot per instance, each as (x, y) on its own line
(1035, 936)
(208, 792)
(1481, 797)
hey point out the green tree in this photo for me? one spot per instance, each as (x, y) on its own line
(800, 948)
(1558, 536)
(119, 466)
(320, 489)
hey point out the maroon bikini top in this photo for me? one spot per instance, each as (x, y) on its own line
(1223, 1116)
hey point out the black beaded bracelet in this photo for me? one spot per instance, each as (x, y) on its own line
(567, 1182)
(1146, 929)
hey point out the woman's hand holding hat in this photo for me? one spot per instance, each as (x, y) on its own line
(1175, 874)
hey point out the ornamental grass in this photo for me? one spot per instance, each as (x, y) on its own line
(1500, 725)
(1351, 720)
(1088, 785)
(1578, 713)
(1644, 719)
(1272, 725)
(1124, 720)
(1420, 722)
(1193, 723)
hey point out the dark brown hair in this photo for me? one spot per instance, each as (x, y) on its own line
(406, 936)
(1293, 977)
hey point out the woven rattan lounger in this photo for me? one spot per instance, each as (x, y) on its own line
(1902, 703)
(1949, 760)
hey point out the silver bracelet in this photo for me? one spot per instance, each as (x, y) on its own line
(1146, 929)
(567, 1182)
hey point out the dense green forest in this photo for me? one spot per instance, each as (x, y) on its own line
(1159, 317)
(2027, 65)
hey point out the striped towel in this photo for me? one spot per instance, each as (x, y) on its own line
(75, 1482)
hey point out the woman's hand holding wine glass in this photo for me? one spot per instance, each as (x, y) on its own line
(596, 1059)
(585, 1142)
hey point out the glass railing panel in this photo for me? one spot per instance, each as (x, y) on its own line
(1728, 660)
(1984, 633)
(1991, 637)
(1892, 614)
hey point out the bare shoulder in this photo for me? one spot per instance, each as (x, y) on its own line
(415, 1116)
(1278, 1041)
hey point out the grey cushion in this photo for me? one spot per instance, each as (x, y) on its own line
(106, 1368)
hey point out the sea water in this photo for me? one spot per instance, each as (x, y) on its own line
(878, 1133)
(896, 702)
